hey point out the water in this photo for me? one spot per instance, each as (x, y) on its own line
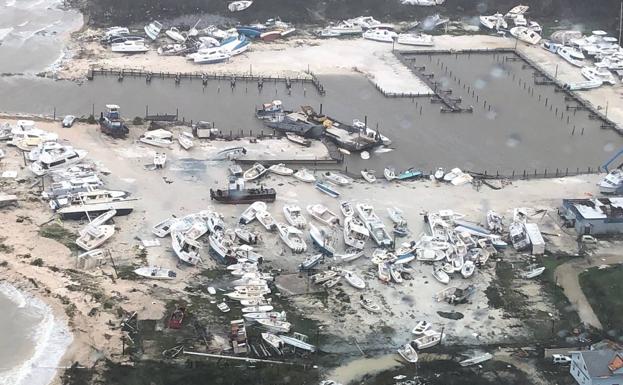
(32, 341)
(32, 34)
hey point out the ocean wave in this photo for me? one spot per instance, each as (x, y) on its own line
(51, 338)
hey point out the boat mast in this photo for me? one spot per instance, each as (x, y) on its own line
(620, 21)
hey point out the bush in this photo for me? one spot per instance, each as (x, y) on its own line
(91, 119)
(137, 121)
(37, 262)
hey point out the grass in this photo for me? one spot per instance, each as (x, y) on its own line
(603, 288)
(60, 234)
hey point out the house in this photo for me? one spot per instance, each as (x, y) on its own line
(597, 367)
(597, 216)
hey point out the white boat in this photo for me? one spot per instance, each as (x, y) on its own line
(100, 220)
(266, 220)
(210, 57)
(272, 340)
(323, 276)
(154, 272)
(476, 360)
(396, 273)
(222, 246)
(185, 140)
(384, 272)
(468, 268)
(43, 147)
(56, 159)
(249, 214)
(382, 35)
(238, 296)
(152, 30)
(223, 307)
(238, 6)
(354, 280)
(305, 176)
(598, 73)
(257, 309)
(160, 159)
(292, 237)
(441, 275)
(368, 175)
(174, 34)
(294, 216)
(336, 178)
(612, 182)
(428, 339)
(246, 236)
(344, 28)
(389, 173)
(281, 169)
(94, 236)
(365, 22)
(347, 209)
(421, 327)
(418, 39)
(495, 21)
(186, 250)
(298, 341)
(298, 139)
(369, 305)
(525, 34)
(325, 239)
(423, 3)
(494, 221)
(533, 273)
(322, 214)
(129, 46)
(256, 171)
(332, 282)
(518, 236)
(158, 138)
(348, 255)
(520, 21)
(408, 353)
(571, 55)
(311, 261)
(280, 316)
(396, 215)
(86, 198)
(355, 233)
(373, 223)
(276, 325)
(536, 27)
(517, 10)
(255, 302)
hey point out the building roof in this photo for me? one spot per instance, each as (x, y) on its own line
(598, 362)
(597, 208)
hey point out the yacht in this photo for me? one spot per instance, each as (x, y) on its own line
(90, 196)
(373, 224)
(211, 57)
(598, 73)
(612, 182)
(382, 35)
(355, 233)
(525, 34)
(419, 39)
(571, 55)
(495, 21)
(56, 159)
(152, 30)
(129, 46)
(345, 28)
(43, 147)
(30, 137)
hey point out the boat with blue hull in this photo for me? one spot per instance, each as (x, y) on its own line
(250, 32)
(327, 189)
(409, 174)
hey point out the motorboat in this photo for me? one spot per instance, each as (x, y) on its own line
(29, 136)
(269, 110)
(365, 22)
(518, 236)
(163, 228)
(158, 138)
(298, 341)
(533, 273)
(152, 30)
(270, 35)
(256, 171)
(187, 250)
(423, 3)
(536, 27)
(249, 214)
(246, 236)
(43, 147)
(454, 173)
(520, 21)
(495, 21)
(369, 305)
(349, 255)
(384, 273)
(428, 339)
(298, 139)
(494, 220)
(294, 216)
(396, 215)
(238, 6)
(325, 239)
(344, 28)
(612, 183)
(598, 73)
(213, 220)
(304, 176)
(292, 237)
(72, 186)
(440, 275)
(223, 307)
(275, 325)
(129, 46)
(266, 220)
(408, 353)
(211, 57)
(327, 188)
(77, 210)
(354, 280)
(95, 236)
(174, 34)
(420, 327)
(272, 340)
(347, 209)
(476, 360)
(281, 169)
(56, 159)
(525, 34)
(160, 159)
(571, 55)
(185, 140)
(381, 35)
(323, 276)
(368, 176)
(373, 223)
(322, 214)
(336, 178)
(89, 197)
(468, 269)
(417, 39)
(253, 317)
(355, 233)
(396, 273)
(154, 272)
(172, 50)
(311, 261)
(389, 173)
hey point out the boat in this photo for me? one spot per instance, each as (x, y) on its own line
(468, 268)
(223, 307)
(417, 39)
(408, 353)
(347, 209)
(325, 239)
(368, 175)
(246, 252)
(257, 309)
(270, 35)
(369, 305)
(396, 215)
(210, 56)
(332, 282)
(187, 250)
(349, 255)
(343, 28)
(355, 233)
(476, 360)
(323, 276)
(428, 339)
(252, 317)
(410, 173)
(294, 216)
(158, 138)
(239, 296)
(336, 178)
(440, 275)
(395, 272)
(281, 169)
(384, 272)
(235, 170)
(71, 186)
(494, 220)
(292, 237)
(495, 21)
(598, 73)
(246, 236)
(326, 188)
(152, 30)
(77, 210)
(298, 139)
(525, 34)
(243, 195)
(389, 173)
(94, 236)
(420, 327)
(56, 159)
(270, 110)
(311, 261)
(354, 280)
(222, 247)
(381, 35)
(612, 182)
(213, 220)
(85, 198)
(533, 273)
(454, 173)
(174, 34)
(155, 272)
(518, 236)
(275, 325)
(238, 6)
(177, 317)
(160, 159)
(272, 340)
(322, 214)
(266, 220)
(43, 147)
(298, 341)
(100, 220)
(185, 140)
(571, 55)
(129, 46)
(305, 176)
(173, 50)
(256, 171)
(250, 213)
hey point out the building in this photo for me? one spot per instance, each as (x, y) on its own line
(597, 367)
(597, 216)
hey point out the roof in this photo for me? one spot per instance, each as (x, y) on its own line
(598, 362)
(598, 208)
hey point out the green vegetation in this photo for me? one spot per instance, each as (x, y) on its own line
(603, 288)
(5, 249)
(137, 121)
(37, 262)
(60, 234)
